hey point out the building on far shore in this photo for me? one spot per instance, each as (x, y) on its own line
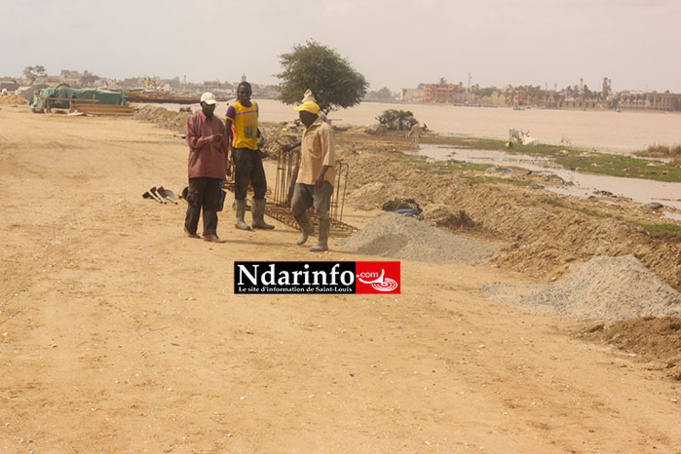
(667, 102)
(528, 96)
(439, 93)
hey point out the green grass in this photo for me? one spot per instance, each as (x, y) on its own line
(511, 181)
(620, 166)
(558, 203)
(572, 158)
(661, 151)
(555, 202)
(660, 229)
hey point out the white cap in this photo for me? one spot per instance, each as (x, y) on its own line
(208, 98)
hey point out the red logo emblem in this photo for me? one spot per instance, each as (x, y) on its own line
(377, 277)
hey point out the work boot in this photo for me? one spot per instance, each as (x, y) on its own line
(306, 228)
(258, 212)
(240, 213)
(323, 241)
(248, 207)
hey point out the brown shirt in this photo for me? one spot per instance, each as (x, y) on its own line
(206, 158)
(317, 148)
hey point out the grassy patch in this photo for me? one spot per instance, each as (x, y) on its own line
(555, 202)
(620, 166)
(661, 151)
(486, 180)
(578, 159)
(559, 203)
(442, 166)
(660, 229)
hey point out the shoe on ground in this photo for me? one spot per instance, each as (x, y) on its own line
(190, 234)
(213, 238)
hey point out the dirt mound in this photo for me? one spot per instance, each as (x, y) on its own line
(163, 118)
(609, 289)
(401, 237)
(653, 339)
(13, 100)
(441, 215)
(548, 234)
(374, 195)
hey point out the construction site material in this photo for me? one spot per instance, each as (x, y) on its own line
(160, 97)
(110, 110)
(608, 289)
(401, 237)
(287, 171)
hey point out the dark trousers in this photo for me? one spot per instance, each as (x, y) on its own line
(248, 168)
(307, 195)
(203, 193)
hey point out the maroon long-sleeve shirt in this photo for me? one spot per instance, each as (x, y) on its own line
(206, 158)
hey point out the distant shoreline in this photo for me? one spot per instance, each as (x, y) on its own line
(604, 130)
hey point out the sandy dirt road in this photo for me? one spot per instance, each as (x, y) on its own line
(118, 334)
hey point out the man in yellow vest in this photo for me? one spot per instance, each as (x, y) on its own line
(243, 115)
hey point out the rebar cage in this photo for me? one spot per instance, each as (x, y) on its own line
(279, 199)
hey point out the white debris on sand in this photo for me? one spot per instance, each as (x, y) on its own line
(397, 236)
(608, 289)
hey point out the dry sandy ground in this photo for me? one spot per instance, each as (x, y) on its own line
(118, 334)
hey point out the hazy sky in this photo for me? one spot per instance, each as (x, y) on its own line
(393, 43)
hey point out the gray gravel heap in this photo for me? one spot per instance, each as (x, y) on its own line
(397, 236)
(609, 289)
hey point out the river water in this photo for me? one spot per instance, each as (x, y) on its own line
(605, 131)
(583, 185)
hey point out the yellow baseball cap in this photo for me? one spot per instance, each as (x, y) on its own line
(308, 106)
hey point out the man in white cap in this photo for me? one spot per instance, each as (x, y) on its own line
(206, 137)
(314, 185)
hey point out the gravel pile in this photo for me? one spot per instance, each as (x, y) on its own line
(609, 289)
(396, 236)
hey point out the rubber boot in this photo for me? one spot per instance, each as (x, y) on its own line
(248, 208)
(240, 213)
(306, 228)
(258, 211)
(323, 241)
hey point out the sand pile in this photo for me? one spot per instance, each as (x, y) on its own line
(163, 118)
(12, 100)
(396, 236)
(609, 289)
(441, 215)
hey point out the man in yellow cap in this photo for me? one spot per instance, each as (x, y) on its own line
(314, 185)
